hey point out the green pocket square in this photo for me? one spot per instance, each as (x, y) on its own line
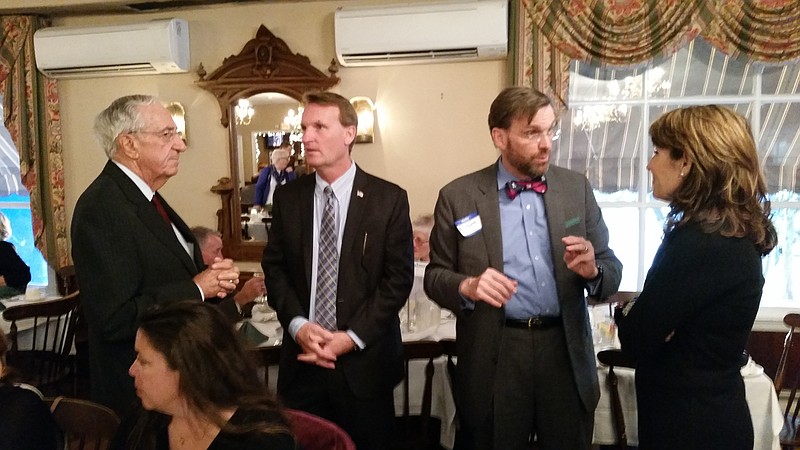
(251, 334)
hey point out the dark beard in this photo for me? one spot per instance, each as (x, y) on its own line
(526, 167)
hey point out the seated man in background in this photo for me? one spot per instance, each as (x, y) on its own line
(210, 242)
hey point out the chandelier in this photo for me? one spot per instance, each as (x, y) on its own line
(591, 117)
(244, 112)
(291, 123)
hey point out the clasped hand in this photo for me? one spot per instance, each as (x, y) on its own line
(219, 279)
(322, 347)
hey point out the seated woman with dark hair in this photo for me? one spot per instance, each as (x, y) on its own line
(198, 386)
(25, 421)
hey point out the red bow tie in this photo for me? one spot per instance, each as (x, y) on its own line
(513, 188)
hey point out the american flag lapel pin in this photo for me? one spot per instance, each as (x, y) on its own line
(359, 194)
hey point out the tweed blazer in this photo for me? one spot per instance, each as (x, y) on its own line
(571, 209)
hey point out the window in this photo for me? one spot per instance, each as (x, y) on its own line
(18, 210)
(604, 135)
(15, 203)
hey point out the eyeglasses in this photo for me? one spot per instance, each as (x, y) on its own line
(553, 134)
(167, 135)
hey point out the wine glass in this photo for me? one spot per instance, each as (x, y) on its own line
(261, 299)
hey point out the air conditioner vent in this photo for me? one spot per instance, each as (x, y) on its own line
(421, 32)
(159, 46)
(413, 57)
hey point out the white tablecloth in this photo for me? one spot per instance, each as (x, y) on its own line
(24, 324)
(764, 409)
(442, 404)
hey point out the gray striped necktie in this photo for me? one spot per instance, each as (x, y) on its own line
(327, 265)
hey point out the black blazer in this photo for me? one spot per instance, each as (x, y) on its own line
(376, 271)
(126, 259)
(16, 273)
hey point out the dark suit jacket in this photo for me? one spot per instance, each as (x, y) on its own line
(571, 210)
(376, 271)
(16, 273)
(126, 259)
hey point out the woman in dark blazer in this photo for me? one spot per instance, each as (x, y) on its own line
(688, 328)
(14, 273)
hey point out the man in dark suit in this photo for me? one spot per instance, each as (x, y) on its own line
(338, 267)
(131, 252)
(513, 248)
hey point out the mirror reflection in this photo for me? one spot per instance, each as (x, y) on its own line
(269, 150)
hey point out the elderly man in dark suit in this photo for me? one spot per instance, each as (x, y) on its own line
(513, 248)
(131, 250)
(338, 267)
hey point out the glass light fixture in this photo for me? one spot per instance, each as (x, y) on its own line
(291, 123)
(179, 117)
(244, 112)
(366, 119)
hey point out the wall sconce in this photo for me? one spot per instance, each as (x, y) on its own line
(179, 117)
(366, 119)
(244, 112)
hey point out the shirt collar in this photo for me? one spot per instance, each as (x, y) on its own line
(148, 193)
(342, 185)
(503, 175)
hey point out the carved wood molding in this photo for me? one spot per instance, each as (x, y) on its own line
(265, 64)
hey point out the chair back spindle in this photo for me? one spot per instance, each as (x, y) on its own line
(785, 379)
(41, 353)
(615, 358)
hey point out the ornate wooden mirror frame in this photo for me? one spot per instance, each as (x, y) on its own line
(265, 64)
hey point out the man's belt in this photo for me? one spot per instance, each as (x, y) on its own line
(534, 322)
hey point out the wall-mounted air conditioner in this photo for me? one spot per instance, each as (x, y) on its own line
(158, 46)
(421, 32)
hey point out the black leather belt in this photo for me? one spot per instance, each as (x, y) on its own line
(534, 322)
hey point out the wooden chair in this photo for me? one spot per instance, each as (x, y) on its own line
(86, 425)
(615, 358)
(45, 359)
(67, 284)
(789, 380)
(315, 433)
(415, 432)
(268, 356)
(67, 280)
(449, 350)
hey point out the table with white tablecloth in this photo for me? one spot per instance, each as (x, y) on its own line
(765, 410)
(23, 324)
(25, 329)
(442, 404)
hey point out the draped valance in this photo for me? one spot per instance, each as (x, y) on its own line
(634, 33)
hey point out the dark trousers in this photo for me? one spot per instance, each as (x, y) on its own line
(324, 392)
(535, 397)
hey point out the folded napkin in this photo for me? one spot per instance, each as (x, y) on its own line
(251, 334)
(751, 369)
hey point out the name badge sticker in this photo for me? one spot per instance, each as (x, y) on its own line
(469, 225)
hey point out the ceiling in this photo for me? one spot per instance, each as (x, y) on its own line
(88, 7)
